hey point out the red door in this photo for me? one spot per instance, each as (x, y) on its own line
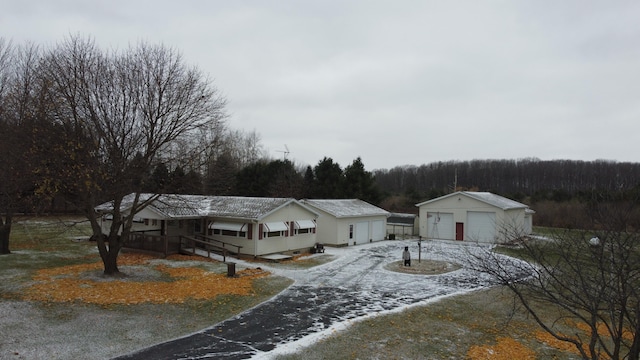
(459, 231)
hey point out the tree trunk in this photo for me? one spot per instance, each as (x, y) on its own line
(111, 262)
(5, 231)
(109, 254)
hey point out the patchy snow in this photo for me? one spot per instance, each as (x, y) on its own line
(195, 206)
(345, 207)
(329, 298)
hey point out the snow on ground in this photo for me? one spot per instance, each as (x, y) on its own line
(362, 268)
(328, 298)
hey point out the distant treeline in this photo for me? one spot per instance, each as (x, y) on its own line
(531, 179)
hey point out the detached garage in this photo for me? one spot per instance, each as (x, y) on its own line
(344, 222)
(474, 216)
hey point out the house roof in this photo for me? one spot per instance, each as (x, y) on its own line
(190, 206)
(486, 197)
(346, 207)
(401, 219)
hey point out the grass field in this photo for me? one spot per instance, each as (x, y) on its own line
(45, 329)
(479, 325)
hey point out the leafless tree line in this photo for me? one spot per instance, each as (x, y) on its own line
(559, 179)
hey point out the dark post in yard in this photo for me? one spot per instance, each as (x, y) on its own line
(419, 248)
(231, 269)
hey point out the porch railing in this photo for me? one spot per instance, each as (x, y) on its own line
(160, 244)
(167, 245)
(206, 244)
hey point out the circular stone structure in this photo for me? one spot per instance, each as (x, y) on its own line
(424, 267)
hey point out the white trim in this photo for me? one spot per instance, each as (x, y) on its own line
(305, 224)
(227, 226)
(276, 226)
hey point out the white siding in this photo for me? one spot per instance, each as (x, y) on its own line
(362, 232)
(284, 220)
(481, 226)
(440, 226)
(378, 230)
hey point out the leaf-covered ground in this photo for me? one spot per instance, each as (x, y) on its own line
(164, 284)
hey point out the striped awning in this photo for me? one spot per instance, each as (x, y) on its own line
(219, 225)
(276, 226)
(305, 224)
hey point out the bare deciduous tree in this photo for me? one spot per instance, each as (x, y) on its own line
(123, 111)
(20, 113)
(592, 278)
(6, 210)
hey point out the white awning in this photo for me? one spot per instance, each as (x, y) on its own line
(276, 226)
(305, 224)
(227, 226)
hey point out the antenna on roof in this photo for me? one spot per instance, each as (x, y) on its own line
(285, 151)
(455, 181)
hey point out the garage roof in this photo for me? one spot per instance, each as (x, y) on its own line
(486, 197)
(346, 207)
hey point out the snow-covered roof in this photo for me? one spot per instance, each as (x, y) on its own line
(190, 206)
(346, 207)
(486, 197)
(401, 219)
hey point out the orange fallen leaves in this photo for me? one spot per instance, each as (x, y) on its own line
(504, 349)
(67, 284)
(603, 331)
(545, 337)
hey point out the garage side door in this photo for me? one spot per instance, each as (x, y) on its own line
(362, 232)
(481, 226)
(440, 226)
(378, 229)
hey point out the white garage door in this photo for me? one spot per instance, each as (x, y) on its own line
(362, 232)
(378, 229)
(481, 226)
(440, 226)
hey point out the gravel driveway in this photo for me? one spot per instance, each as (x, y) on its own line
(353, 286)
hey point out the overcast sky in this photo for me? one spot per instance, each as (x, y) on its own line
(393, 82)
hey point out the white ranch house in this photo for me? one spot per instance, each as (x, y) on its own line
(474, 216)
(252, 225)
(344, 222)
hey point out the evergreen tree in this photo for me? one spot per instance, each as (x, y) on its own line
(193, 183)
(308, 184)
(329, 180)
(360, 184)
(221, 175)
(159, 179)
(178, 181)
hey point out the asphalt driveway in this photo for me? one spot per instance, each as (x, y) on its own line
(354, 285)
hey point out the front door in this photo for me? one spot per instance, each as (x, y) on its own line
(459, 231)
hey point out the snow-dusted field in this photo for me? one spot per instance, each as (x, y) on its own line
(328, 298)
(324, 299)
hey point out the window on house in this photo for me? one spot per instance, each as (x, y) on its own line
(228, 229)
(350, 231)
(304, 226)
(273, 229)
(154, 222)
